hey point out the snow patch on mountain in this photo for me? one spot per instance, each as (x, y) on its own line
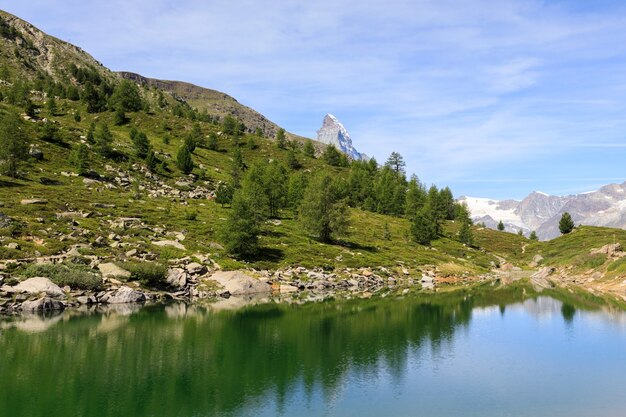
(334, 133)
(541, 212)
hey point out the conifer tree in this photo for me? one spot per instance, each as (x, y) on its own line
(141, 144)
(396, 162)
(281, 141)
(212, 142)
(237, 168)
(224, 194)
(79, 158)
(322, 212)
(184, 162)
(465, 233)
(423, 227)
(242, 228)
(533, 236)
(103, 140)
(500, 226)
(566, 224)
(13, 147)
(309, 149)
(126, 97)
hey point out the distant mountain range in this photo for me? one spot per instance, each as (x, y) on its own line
(334, 133)
(541, 212)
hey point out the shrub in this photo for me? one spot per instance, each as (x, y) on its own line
(150, 274)
(75, 276)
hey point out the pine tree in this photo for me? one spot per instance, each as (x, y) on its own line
(212, 142)
(275, 184)
(415, 197)
(103, 140)
(332, 156)
(79, 159)
(242, 228)
(184, 161)
(566, 224)
(322, 212)
(237, 169)
(13, 147)
(533, 236)
(309, 149)
(141, 144)
(229, 125)
(120, 117)
(292, 160)
(126, 97)
(396, 162)
(423, 227)
(51, 105)
(500, 226)
(295, 189)
(224, 194)
(281, 141)
(190, 143)
(151, 160)
(465, 234)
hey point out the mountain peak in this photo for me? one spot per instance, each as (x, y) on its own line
(333, 132)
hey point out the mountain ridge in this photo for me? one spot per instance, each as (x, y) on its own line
(541, 212)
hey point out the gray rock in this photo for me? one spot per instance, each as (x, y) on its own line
(169, 243)
(36, 153)
(13, 245)
(177, 277)
(238, 283)
(41, 305)
(112, 270)
(39, 285)
(195, 268)
(31, 201)
(123, 295)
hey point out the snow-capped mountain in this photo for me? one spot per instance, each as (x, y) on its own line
(541, 212)
(333, 132)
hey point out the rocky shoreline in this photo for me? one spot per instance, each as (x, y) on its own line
(189, 281)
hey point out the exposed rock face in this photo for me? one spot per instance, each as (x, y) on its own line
(541, 212)
(238, 283)
(177, 277)
(334, 133)
(39, 285)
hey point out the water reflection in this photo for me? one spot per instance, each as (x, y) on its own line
(191, 360)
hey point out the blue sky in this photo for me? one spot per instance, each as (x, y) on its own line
(493, 98)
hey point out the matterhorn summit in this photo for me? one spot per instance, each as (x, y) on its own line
(333, 132)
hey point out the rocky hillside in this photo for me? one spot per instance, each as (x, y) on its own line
(212, 101)
(542, 212)
(334, 133)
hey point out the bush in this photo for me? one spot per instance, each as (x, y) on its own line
(150, 274)
(75, 276)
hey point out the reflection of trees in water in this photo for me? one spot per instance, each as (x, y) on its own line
(180, 360)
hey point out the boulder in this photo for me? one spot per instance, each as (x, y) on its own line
(286, 288)
(195, 268)
(169, 243)
(112, 270)
(13, 245)
(239, 283)
(41, 305)
(40, 285)
(30, 201)
(177, 277)
(123, 295)
(36, 153)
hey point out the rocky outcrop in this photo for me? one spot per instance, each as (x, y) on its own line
(39, 285)
(334, 133)
(110, 270)
(239, 283)
(123, 295)
(177, 277)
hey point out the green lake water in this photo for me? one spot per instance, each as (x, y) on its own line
(489, 354)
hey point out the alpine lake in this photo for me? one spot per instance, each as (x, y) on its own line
(462, 353)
